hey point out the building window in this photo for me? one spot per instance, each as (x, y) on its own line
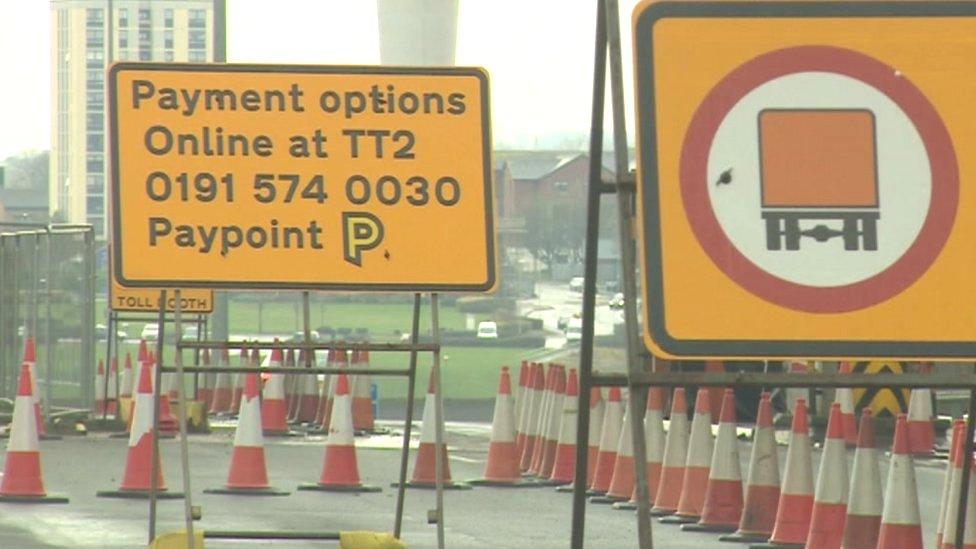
(168, 39)
(94, 38)
(198, 19)
(196, 56)
(94, 17)
(95, 163)
(95, 142)
(168, 18)
(123, 17)
(98, 224)
(95, 184)
(94, 122)
(145, 16)
(123, 39)
(144, 55)
(95, 205)
(145, 38)
(168, 55)
(198, 39)
(94, 98)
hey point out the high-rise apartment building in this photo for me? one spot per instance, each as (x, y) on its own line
(87, 37)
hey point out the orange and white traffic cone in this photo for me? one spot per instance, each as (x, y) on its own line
(762, 486)
(340, 471)
(30, 358)
(223, 393)
(609, 438)
(845, 397)
(550, 438)
(901, 526)
(502, 468)
(722, 510)
(205, 390)
(532, 418)
(969, 528)
(362, 403)
(23, 480)
(127, 380)
(830, 497)
(274, 414)
(112, 391)
(598, 410)
(518, 394)
(564, 466)
(167, 422)
(654, 447)
(958, 435)
(341, 361)
(425, 468)
(697, 464)
(622, 481)
(308, 394)
(248, 473)
(137, 480)
(796, 494)
(541, 430)
(675, 453)
(921, 420)
(100, 388)
(865, 503)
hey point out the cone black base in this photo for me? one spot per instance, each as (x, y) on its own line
(713, 528)
(432, 486)
(625, 506)
(739, 537)
(361, 488)
(247, 491)
(282, 434)
(565, 488)
(137, 494)
(162, 436)
(606, 500)
(50, 498)
(373, 431)
(678, 519)
(524, 483)
(45, 436)
(655, 512)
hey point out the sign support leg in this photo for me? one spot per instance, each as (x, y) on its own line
(966, 472)
(408, 421)
(589, 274)
(439, 453)
(157, 382)
(184, 443)
(109, 337)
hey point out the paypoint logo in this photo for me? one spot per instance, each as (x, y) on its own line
(361, 231)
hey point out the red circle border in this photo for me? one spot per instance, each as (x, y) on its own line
(837, 299)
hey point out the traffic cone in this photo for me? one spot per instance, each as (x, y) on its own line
(654, 447)
(308, 396)
(675, 453)
(541, 430)
(564, 466)
(425, 468)
(921, 424)
(239, 379)
(323, 401)
(796, 494)
(340, 471)
(609, 438)
(532, 418)
(205, 390)
(274, 414)
(127, 380)
(969, 532)
(136, 483)
(550, 439)
(167, 422)
(112, 391)
(22, 478)
(958, 434)
(223, 393)
(595, 426)
(722, 510)
(341, 361)
(30, 358)
(518, 395)
(622, 481)
(901, 526)
(100, 388)
(697, 464)
(865, 503)
(502, 468)
(762, 486)
(362, 402)
(830, 497)
(845, 397)
(248, 473)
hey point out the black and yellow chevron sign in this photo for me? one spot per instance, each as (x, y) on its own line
(881, 401)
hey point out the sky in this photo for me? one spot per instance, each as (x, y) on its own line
(539, 55)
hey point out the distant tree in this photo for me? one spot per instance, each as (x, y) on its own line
(555, 231)
(28, 170)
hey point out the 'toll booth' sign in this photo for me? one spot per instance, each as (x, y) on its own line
(801, 170)
(345, 178)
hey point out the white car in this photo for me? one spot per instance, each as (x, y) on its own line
(576, 284)
(574, 330)
(150, 332)
(487, 330)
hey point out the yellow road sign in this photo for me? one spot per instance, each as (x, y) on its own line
(146, 300)
(348, 178)
(800, 168)
(881, 401)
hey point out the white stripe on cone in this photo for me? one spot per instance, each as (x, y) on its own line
(502, 423)
(654, 436)
(832, 480)
(142, 416)
(248, 431)
(725, 458)
(428, 434)
(340, 428)
(700, 442)
(901, 503)
(612, 419)
(23, 427)
(126, 381)
(865, 493)
(798, 459)
(100, 388)
(958, 427)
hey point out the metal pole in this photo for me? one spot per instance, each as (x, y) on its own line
(48, 348)
(157, 382)
(181, 410)
(966, 471)
(408, 422)
(88, 318)
(589, 272)
(109, 336)
(440, 454)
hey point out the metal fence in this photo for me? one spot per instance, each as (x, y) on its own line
(47, 292)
